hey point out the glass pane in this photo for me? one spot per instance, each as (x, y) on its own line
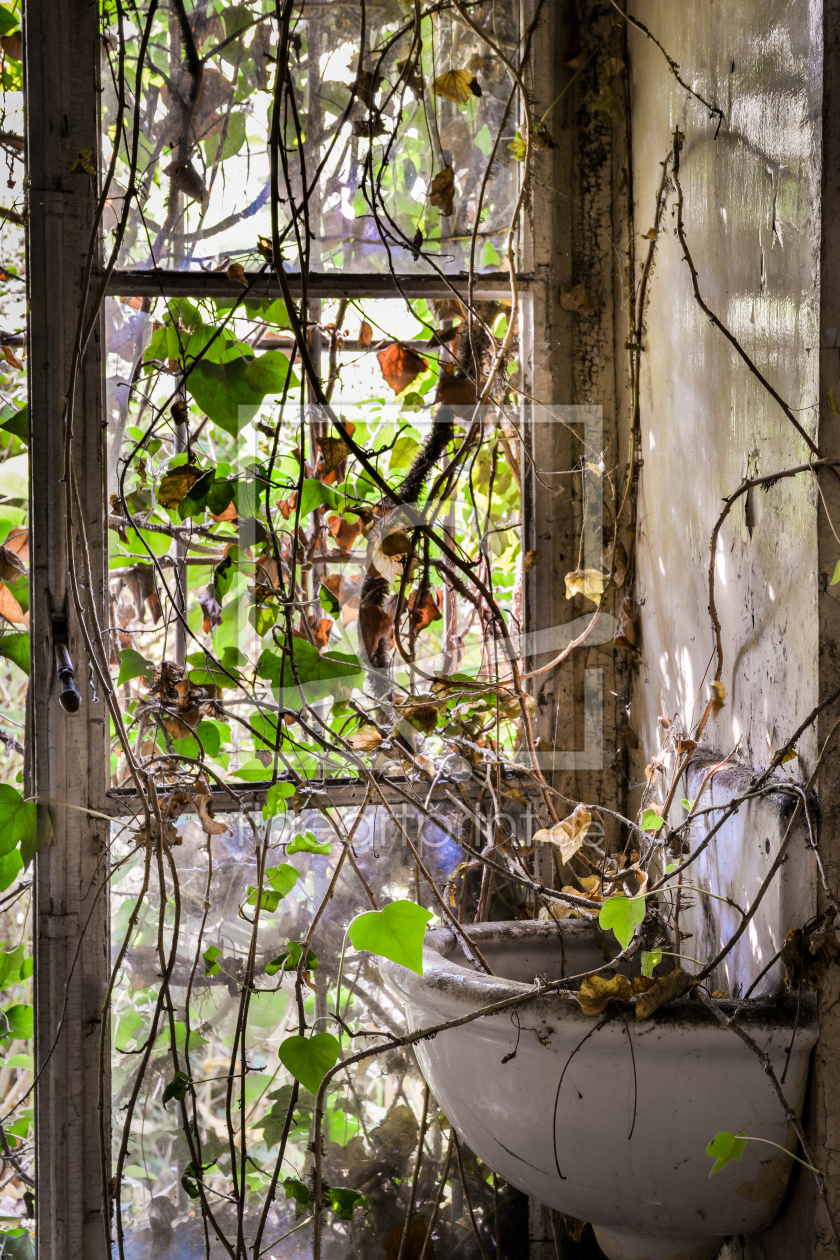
(235, 1135)
(402, 162)
(215, 474)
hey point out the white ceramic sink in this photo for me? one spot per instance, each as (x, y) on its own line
(630, 1158)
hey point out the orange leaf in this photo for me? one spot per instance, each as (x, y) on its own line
(457, 391)
(18, 542)
(429, 612)
(442, 192)
(9, 356)
(321, 628)
(400, 366)
(344, 532)
(175, 484)
(365, 335)
(9, 607)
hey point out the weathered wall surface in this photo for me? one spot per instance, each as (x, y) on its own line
(752, 224)
(762, 200)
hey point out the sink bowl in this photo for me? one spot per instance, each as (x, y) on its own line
(589, 1128)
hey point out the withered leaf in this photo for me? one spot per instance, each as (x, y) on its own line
(400, 366)
(662, 992)
(10, 608)
(237, 272)
(809, 952)
(344, 532)
(569, 834)
(334, 450)
(416, 242)
(529, 560)
(211, 608)
(596, 991)
(423, 717)
(718, 697)
(625, 625)
(368, 127)
(365, 739)
(365, 335)
(179, 411)
(187, 179)
(10, 565)
(397, 543)
(175, 484)
(587, 582)
(442, 191)
(423, 616)
(457, 391)
(11, 358)
(457, 86)
(366, 86)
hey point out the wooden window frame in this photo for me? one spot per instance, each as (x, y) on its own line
(67, 754)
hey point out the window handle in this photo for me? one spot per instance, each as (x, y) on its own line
(70, 700)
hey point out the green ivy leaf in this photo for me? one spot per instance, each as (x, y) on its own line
(188, 1181)
(318, 672)
(622, 915)
(18, 822)
(291, 957)
(309, 1059)
(15, 648)
(177, 1088)
(724, 1147)
(651, 821)
(687, 805)
(274, 798)
(314, 493)
(308, 844)
(133, 665)
(651, 958)
(281, 880)
(395, 932)
(210, 955)
(223, 393)
(343, 1202)
(16, 1023)
(298, 1191)
(11, 864)
(194, 501)
(267, 373)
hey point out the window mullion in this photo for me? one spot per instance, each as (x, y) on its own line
(69, 752)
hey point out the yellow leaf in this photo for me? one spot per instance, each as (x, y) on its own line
(366, 739)
(569, 834)
(790, 755)
(175, 485)
(718, 697)
(832, 402)
(529, 560)
(596, 991)
(457, 86)
(587, 582)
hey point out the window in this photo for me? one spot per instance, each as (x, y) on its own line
(249, 375)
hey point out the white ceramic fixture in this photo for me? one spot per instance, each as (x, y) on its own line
(584, 1125)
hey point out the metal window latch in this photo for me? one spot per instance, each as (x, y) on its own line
(70, 700)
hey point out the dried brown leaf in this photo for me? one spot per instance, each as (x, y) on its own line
(596, 991)
(663, 991)
(10, 566)
(10, 608)
(365, 739)
(334, 450)
(174, 485)
(442, 191)
(579, 301)
(569, 834)
(529, 560)
(400, 366)
(365, 335)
